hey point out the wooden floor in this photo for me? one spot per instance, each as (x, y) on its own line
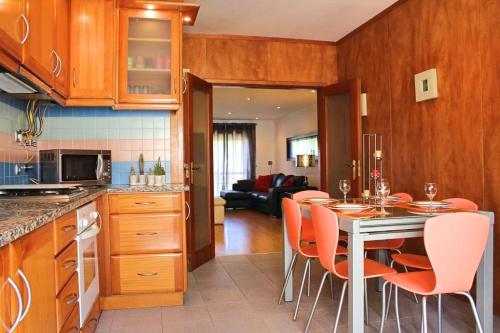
(248, 232)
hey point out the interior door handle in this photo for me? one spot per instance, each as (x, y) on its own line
(354, 170)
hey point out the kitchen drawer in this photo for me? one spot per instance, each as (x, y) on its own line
(66, 301)
(66, 264)
(64, 231)
(143, 233)
(145, 203)
(147, 273)
(72, 324)
(90, 325)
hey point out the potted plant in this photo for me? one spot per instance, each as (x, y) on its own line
(151, 177)
(159, 173)
(133, 177)
(142, 177)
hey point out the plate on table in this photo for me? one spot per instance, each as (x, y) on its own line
(429, 204)
(388, 199)
(351, 207)
(319, 201)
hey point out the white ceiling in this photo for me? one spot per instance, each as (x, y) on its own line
(263, 103)
(327, 20)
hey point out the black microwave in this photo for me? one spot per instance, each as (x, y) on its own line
(71, 166)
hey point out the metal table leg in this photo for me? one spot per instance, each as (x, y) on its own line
(356, 283)
(287, 260)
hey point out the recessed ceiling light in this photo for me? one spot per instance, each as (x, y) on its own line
(249, 99)
(256, 118)
(278, 107)
(186, 19)
(313, 91)
(229, 113)
(150, 7)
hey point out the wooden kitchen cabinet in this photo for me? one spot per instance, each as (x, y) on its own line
(13, 27)
(33, 257)
(92, 30)
(149, 57)
(61, 79)
(144, 258)
(39, 55)
(6, 291)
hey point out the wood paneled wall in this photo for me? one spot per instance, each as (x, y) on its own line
(258, 60)
(455, 139)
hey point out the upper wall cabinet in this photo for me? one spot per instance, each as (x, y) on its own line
(13, 27)
(92, 29)
(149, 56)
(61, 47)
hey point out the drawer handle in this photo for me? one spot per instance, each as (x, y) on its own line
(71, 299)
(145, 203)
(146, 233)
(70, 264)
(68, 228)
(147, 274)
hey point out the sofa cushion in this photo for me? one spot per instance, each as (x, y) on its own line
(300, 180)
(289, 182)
(234, 195)
(263, 183)
(279, 180)
(276, 176)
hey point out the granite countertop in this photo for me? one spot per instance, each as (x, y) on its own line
(21, 216)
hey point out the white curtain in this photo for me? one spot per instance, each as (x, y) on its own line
(232, 154)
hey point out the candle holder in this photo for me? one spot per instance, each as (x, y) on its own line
(372, 161)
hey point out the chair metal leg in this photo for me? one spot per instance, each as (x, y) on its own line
(440, 314)
(288, 274)
(340, 307)
(316, 299)
(367, 317)
(331, 285)
(474, 310)
(382, 319)
(424, 314)
(309, 281)
(396, 306)
(308, 263)
(390, 295)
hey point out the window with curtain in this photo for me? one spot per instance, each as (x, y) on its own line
(233, 154)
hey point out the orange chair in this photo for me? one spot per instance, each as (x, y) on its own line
(293, 221)
(463, 204)
(326, 229)
(455, 244)
(307, 228)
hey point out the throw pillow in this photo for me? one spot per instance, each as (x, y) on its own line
(289, 182)
(263, 183)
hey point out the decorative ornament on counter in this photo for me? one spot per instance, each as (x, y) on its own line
(133, 176)
(151, 177)
(142, 177)
(372, 162)
(159, 173)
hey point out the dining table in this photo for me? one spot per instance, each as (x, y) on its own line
(399, 221)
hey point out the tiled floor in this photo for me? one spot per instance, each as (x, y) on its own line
(239, 294)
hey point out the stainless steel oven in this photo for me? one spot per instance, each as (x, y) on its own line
(67, 166)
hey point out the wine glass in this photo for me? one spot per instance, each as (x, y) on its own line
(383, 189)
(345, 187)
(430, 191)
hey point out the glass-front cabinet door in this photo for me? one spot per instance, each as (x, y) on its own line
(149, 70)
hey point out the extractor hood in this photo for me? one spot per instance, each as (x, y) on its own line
(23, 85)
(13, 85)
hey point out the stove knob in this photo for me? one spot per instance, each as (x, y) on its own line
(85, 222)
(94, 215)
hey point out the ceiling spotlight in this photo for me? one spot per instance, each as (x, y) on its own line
(256, 118)
(150, 7)
(278, 107)
(186, 19)
(249, 99)
(313, 91)
(229, 113)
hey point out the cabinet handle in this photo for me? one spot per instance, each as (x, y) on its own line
(71, 299)
(19, 305)
(28, 287)
(175, 85)
(56, 67)
(68, 228)
(146, 203)
(27, 24)
(59, 61)
(147, 274)
(146, 233)
(188, 210)
(70, 264)
(185, 84)
(74, 77)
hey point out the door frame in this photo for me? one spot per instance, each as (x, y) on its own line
(195, 257)
(353, 87)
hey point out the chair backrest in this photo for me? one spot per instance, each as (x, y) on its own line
(464, 204)
(326, 232)
(455, 244)
(308, 194)
(293, 221)
(403, 196)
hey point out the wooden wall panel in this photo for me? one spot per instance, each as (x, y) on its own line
(257, 60)
(453, 140)
(490, 87)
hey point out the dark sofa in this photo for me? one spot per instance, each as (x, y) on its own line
(243, 196)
